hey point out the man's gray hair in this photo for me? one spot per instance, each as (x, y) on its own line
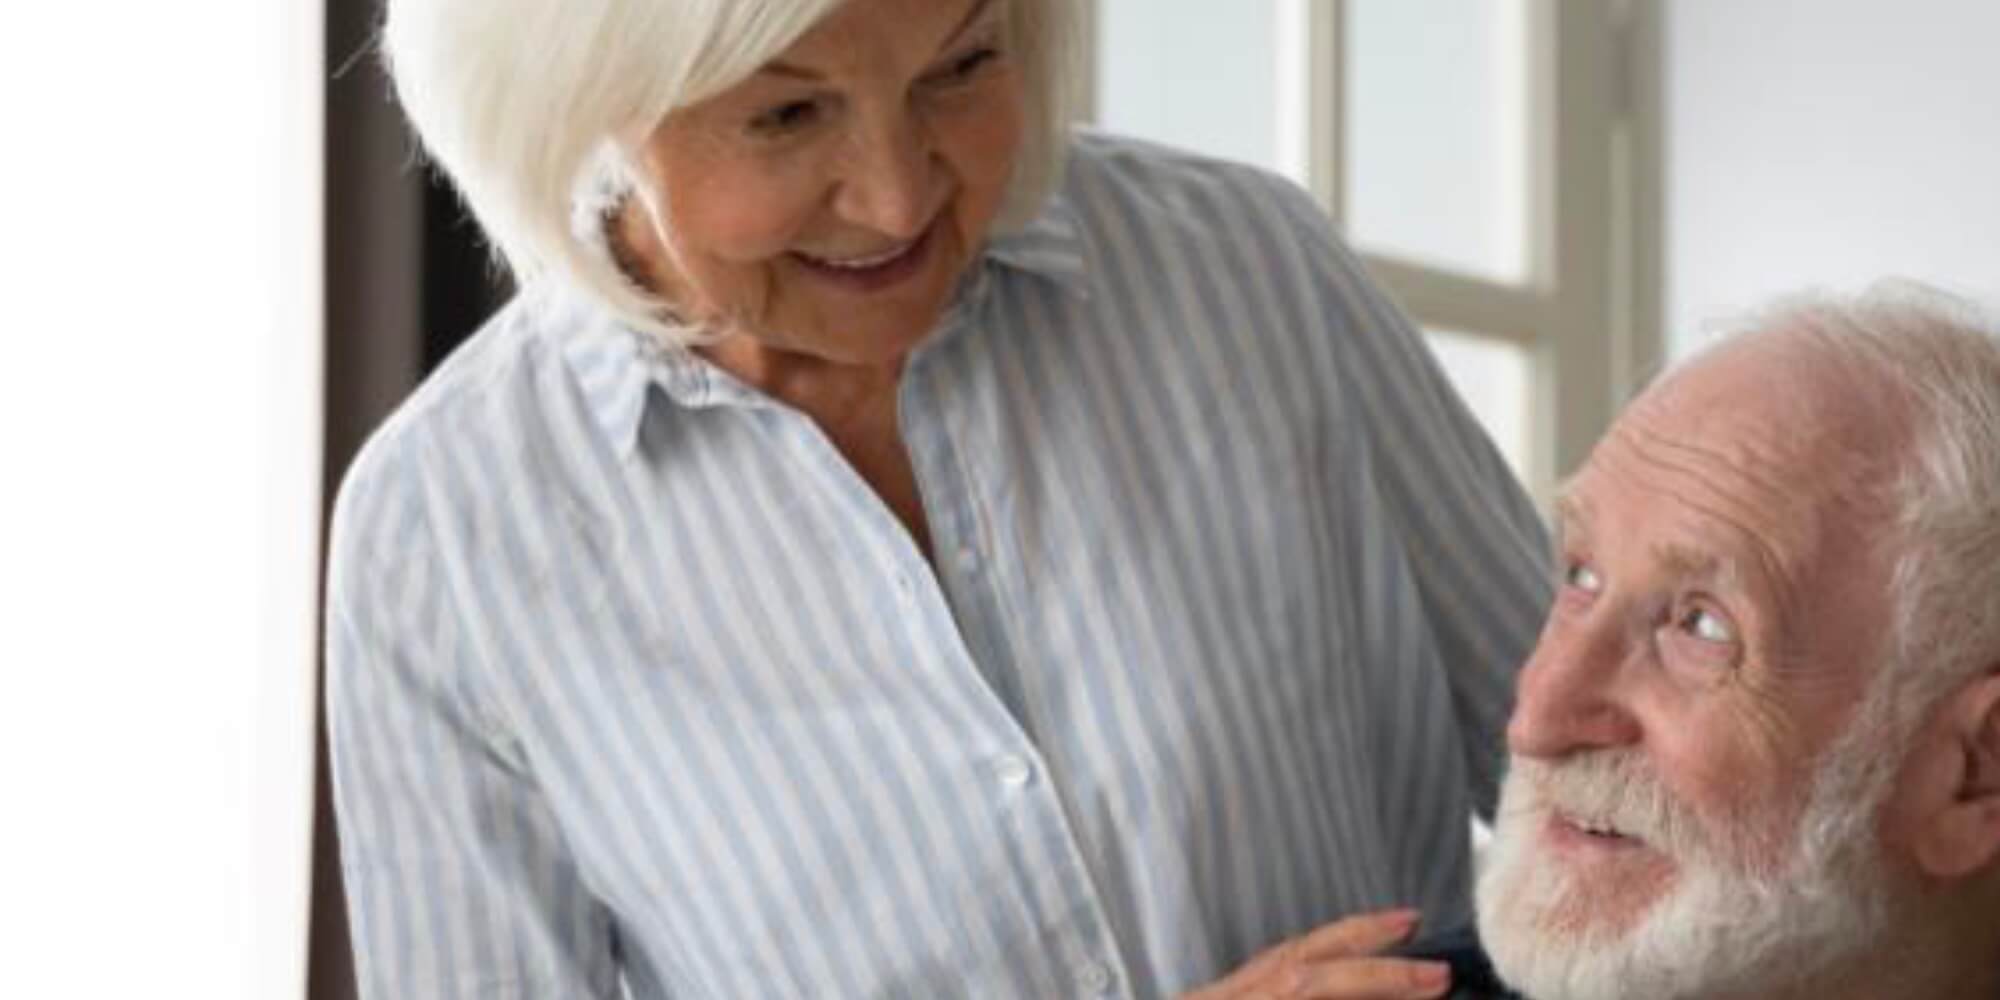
(1935, 359)
(531, 106)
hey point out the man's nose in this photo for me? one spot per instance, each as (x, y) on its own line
(889, 180)
(1570, 697)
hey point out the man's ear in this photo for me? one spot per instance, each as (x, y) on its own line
(1960, 833)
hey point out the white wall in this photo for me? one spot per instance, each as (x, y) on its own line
(1192, 73)
(1828, 143)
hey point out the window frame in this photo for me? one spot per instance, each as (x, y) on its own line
(1589, 312)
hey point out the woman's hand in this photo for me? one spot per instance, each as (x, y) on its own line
(1340, 961)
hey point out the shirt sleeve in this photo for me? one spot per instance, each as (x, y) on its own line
(1474, 543)
(458, 882)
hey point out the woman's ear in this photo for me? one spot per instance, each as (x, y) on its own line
(1958, 832)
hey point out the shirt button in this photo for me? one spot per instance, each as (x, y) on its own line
(1094, 978)
(1013, 772)
(968, 559)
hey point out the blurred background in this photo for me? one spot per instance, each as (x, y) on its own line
(225, 265)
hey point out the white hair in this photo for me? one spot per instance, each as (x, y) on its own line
(523, 104)
(1934, 362)
(1722, 929)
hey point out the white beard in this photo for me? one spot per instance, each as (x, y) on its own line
(1718, 930)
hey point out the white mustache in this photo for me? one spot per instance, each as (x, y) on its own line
(1611, 791)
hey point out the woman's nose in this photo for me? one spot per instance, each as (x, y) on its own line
(889, 182)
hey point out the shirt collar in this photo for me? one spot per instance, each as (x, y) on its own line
(1050, 245)
(613, 372)
(618, 367)
(621, 371)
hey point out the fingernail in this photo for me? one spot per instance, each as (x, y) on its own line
(1433, 975)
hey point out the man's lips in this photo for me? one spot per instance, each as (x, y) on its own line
(1569, 832)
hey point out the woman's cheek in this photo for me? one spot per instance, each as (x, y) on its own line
(741, 228)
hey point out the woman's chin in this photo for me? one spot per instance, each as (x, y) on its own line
(868, 330)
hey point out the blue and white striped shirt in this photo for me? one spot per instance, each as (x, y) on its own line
(635, 684)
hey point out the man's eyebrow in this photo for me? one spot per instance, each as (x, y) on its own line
(1570, 512)
(1696, 564)
(778, 67)
(1573, 515)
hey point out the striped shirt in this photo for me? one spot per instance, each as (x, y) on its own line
(635, 685)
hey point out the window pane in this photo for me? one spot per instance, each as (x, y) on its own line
(1492, 376)
(1437, 129)
(1201, 75)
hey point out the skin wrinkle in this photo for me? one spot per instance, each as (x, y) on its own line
(1752, 586)
(1749, 457)
(891, 126)
(1779, 651)
(1721, 471)
(890, 151)
(1769, 454)
(1700, 464)
(1840, 495)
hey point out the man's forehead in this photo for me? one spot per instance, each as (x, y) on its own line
(1659, 514)
(1751, 467)
(1692, 553)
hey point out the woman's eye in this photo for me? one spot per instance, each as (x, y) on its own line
(1580, 576)
(786, 117)
(1707, 626)
(966, 66)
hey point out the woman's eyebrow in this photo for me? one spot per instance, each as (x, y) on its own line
(789, 71)
(970, 20)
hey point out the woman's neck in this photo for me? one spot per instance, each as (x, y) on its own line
(840, 397)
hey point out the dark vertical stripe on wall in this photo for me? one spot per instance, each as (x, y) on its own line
(407, 279)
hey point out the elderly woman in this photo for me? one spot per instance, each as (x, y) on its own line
(893, 547)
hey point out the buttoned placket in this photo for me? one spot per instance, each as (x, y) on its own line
(960, 594)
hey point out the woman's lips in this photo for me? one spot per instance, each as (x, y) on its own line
(874, 272)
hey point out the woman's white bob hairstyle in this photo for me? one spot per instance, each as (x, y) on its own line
(522, 103)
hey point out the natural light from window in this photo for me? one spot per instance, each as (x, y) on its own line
(1437, 133)
(159, 420)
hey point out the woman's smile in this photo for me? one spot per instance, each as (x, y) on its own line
(869, 272)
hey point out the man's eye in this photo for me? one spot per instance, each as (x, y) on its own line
(786, 117)
(1581, 577)
(1707, 626)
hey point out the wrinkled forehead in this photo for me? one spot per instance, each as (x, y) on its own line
(1764, 453)
(1711, 444)
(1686, 516)
(1777, 417)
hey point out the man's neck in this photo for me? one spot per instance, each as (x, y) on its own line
(1917, 963)
(1961, 980)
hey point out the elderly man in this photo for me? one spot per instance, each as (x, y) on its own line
(1757, 750)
